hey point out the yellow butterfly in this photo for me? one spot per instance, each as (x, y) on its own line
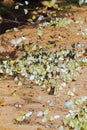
(20, 118)
(49, 3)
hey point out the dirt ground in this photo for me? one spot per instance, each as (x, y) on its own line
(35, 99)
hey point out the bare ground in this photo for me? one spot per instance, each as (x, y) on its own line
(35, 99)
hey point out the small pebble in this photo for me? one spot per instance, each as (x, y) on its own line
(18, 105)
(39, 129)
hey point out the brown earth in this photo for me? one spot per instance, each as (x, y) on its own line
(35, 99)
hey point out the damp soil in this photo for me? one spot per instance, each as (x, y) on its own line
(28, 98)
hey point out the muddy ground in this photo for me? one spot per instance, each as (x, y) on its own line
(35, 99)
